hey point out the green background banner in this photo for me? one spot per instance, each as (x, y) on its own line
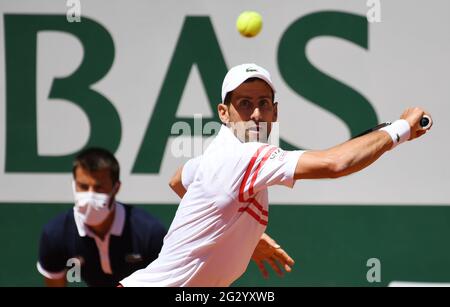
(330, 244)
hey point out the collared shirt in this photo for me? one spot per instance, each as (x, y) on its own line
(103, 245)
(133, 241)
(222, 215)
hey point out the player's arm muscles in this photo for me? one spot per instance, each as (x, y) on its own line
(57, 282)
(176, 184)
(343, 159)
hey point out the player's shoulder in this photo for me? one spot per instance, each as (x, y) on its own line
(58, 225)
(193, 163)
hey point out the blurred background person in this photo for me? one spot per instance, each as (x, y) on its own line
(110, 239)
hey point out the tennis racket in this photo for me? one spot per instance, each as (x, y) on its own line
(425, 123)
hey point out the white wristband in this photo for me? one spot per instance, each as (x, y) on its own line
(399, 131)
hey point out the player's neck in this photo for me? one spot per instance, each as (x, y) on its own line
(102, 229)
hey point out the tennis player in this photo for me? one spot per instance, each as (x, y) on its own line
(224, 212)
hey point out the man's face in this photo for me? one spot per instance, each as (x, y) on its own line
(97, 181)
(251, 111)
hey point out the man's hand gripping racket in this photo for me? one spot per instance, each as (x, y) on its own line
(419, 121)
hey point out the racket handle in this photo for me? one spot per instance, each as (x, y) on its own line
(425, 122)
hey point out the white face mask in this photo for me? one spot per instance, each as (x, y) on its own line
(92, 208)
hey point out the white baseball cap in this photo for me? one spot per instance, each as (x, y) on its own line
(238, 74)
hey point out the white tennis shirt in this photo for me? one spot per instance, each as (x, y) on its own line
(222, 215)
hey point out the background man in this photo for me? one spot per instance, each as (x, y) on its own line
(110, 239)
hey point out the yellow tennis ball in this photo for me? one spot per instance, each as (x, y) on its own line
(249, 23)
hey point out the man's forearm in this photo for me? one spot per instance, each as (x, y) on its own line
(176, 184)
(343, 159)
(61, 282)
(357, 154)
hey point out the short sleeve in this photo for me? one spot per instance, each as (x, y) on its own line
(189, 170)
(269, 166)
(52, 259)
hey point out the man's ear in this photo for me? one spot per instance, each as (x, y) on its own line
(275, 111)
(224, 115)
(117, 188)
(113, 194)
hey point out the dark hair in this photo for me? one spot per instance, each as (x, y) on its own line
(227, 100)
(94, 159)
